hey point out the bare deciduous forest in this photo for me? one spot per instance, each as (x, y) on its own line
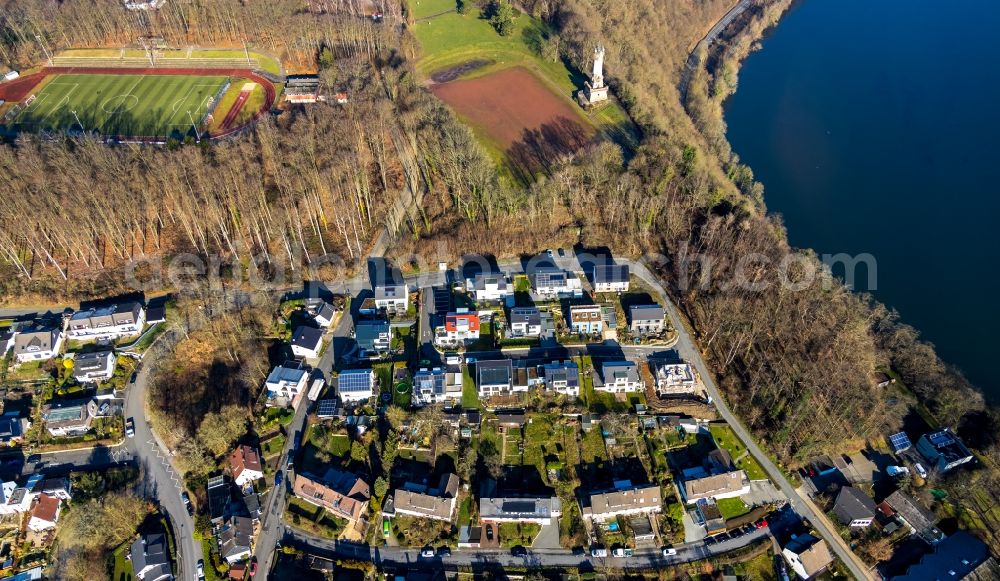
(798, 365)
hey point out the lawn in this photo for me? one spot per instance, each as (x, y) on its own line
(450, 40)
(123, 567)
(315, 519)
(518, 534)
(265, 62)
(131, 105)
(727, 440)
(732, 507)
(470, 396)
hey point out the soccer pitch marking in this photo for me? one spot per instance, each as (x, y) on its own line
(178, 106)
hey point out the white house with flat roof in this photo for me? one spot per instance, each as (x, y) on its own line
(540, 511)
(286, 382)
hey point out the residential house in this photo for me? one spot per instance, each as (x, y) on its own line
(525, 376)
(245, 465)
(7, 336)
(356, 384)
(307, 342)
(943, 450)
(325, 314)
(807, 556)
(562, 377)
(219, 496)
(110, 322)
(494, 377)
(436, 385)
(525, 322)
(150, 560)
(37, 345)
(12, 428)
(611, 278)
(540, 511)
(586, 319)
(15, 499)
(553, 283)
(625, 500)
(716, 487)
(393, 298)
(460, 328)
(56, 487)
(373, 336)
(854, 508)
(674, 379)
(339, 492)
(489, 287)
(69, 417)
(236, 539)
(920, 520)
(645, 319)
(710, 514)
(45, 513)
(418, 501)
(286, 383)
(94, 367)
(620, 377)
(957, 557)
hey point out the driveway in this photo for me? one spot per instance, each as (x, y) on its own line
(548, 537)
(762, 492)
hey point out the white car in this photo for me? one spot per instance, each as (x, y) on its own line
(427, 553)
(130, 428)
(668, 552)
(598, 552)
(920, 470)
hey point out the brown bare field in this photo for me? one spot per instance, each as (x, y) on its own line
(533, 126)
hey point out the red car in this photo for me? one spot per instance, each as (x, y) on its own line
(253, 567)
(762, 523)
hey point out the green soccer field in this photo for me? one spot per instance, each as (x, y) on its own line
(120, 105)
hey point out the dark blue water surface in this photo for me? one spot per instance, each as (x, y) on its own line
(873, 125)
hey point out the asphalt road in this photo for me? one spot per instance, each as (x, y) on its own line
(389, 557)
(687, 349)
(273, 508)
(163, 482)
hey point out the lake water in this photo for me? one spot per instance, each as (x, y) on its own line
(873, 126)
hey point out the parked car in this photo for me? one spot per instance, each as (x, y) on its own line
(453, 358)
(427, 553)
(598, 552)
(489, 532)
(277, 478)
(133, 377)
(518, 551)
(669, 552)
(548, 253)
(761, 524)
(920, 470)
(130, 428)
(201, 569)
(444, 552)
(622, 552)
(386, 529)
(253, 566)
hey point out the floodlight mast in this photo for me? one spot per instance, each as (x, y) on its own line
(44, 49)
(196, 132)
(78, 122)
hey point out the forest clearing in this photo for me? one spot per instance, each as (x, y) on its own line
(512, 89)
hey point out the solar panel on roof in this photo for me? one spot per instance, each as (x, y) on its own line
(326, 408)
(356, 381)
(900, 442)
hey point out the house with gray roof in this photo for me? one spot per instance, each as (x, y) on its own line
(619, 377)
(489, 287)
(645, 319)
(854, 508)
(920, 520)
(286, 382)
(150, 561)
(393, 298)
(307, 342)
(943, 450)
(38, 344)
(562, 377)
(69, 417)
(611, 278)
(494, 377)
(525, 322)
(236, 539)
(110, 322)
(94, 367)
(373, 336)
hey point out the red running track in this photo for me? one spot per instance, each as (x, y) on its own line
(20, 88)
(235, 110)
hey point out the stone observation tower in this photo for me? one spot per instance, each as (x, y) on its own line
(594, 90)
